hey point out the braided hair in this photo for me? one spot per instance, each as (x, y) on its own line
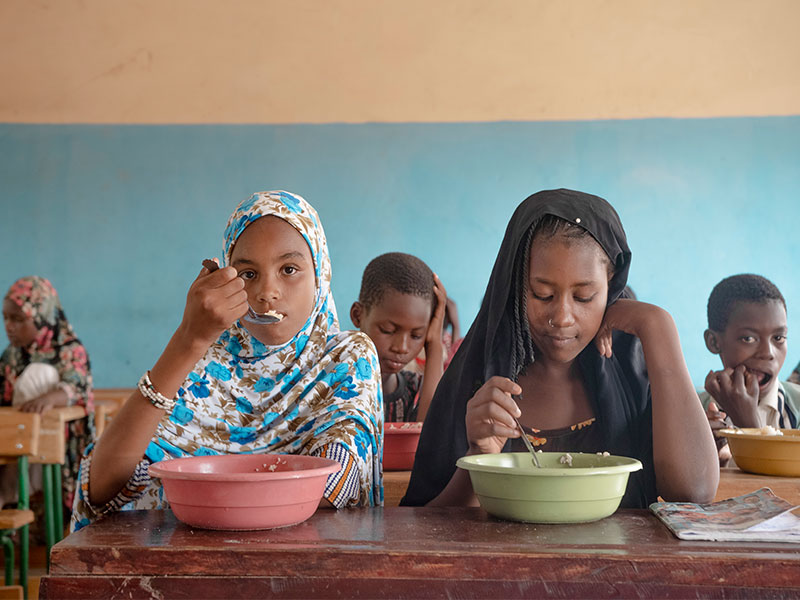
(548, 228)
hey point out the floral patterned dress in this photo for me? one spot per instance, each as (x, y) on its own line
(318, 394)
(56, 344)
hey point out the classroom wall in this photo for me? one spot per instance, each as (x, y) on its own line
(355, 61)
(130, 130)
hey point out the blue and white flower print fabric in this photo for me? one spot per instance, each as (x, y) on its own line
(320, 388)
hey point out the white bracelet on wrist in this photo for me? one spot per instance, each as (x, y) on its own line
(149, 391)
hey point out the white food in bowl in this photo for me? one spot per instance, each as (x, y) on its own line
(769, 430)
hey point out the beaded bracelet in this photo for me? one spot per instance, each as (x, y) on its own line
(149, 391)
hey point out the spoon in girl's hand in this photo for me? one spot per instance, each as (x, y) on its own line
(266, 318)
(528, 444)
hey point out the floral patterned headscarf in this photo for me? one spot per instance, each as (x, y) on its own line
(321, 387)
(299, 214)
(55, 343)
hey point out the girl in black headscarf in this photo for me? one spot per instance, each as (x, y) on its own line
(556, 287)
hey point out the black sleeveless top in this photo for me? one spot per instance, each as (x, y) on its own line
(585, 436)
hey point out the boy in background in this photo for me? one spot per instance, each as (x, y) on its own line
(401, 308)
(747, 328)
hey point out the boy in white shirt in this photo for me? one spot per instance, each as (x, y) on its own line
(747, 328)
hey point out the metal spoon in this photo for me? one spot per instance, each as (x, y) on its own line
(252, 316)
(528, 444)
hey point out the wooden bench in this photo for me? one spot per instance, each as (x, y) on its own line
(19, 441)
(50, 454)
(11, 592)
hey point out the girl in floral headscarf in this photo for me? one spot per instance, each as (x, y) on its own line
(45, 365)
(227, 385)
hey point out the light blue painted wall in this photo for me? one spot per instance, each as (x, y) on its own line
(119, 217)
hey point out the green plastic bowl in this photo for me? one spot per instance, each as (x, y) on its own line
(509, 486)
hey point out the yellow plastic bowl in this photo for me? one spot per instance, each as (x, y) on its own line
(765, 454)
(509, 486)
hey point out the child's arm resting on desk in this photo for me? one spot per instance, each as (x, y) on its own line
(684, 453)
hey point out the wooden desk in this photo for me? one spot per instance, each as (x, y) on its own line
(733, 482)
(411, 552)
(52, 438)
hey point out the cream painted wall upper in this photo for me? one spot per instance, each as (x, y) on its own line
(316, 61)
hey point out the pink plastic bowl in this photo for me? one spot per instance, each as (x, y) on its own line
(400, 445)
(244, 491)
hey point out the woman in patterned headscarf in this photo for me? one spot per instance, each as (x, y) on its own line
(227, 385)
(45, 365)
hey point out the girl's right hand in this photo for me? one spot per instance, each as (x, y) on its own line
(490, 416)
(214, 302)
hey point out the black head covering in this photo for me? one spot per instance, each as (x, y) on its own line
(618, 387)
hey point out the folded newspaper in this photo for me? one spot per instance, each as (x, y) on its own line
(759, 516)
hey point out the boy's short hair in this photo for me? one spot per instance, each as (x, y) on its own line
(739, 288)
(398, 271)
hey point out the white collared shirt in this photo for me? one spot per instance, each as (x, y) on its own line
(768, 407)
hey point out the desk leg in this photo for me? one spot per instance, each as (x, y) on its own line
(49, 515)
(58, 504)
(8, 555)
(23, 559)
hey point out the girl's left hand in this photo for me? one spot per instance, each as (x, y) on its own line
(437, 320)
(630, 316)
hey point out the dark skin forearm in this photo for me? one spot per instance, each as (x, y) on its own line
(126, 438)
(684, 471)
(457, 492)
(215, 300)
(434, 366)
(684, 452)
(434, 351)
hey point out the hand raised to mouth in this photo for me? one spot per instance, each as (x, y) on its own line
(258, 318)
